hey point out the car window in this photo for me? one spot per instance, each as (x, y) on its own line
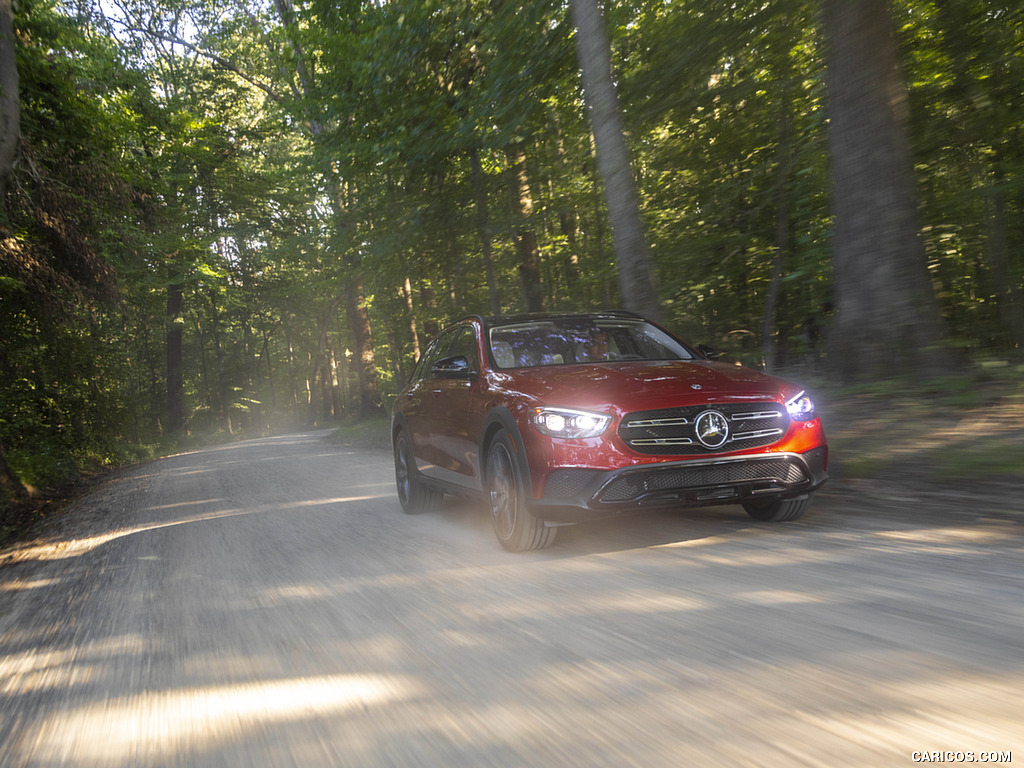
(464, 343)
(421, 364)
(554, 342)
(435, 352)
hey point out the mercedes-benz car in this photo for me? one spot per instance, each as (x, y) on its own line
(558, 419)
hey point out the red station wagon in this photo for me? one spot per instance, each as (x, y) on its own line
(558, 419)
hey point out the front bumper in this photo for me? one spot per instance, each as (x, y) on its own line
(575, 495)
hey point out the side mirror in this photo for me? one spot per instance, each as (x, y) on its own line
(710, 352)
(456, 367)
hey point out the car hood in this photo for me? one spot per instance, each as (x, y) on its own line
(636, 386)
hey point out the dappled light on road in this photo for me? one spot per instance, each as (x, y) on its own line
(18, 585)
(43, 669)
(156, 726)
(75, 547)
(990, 534)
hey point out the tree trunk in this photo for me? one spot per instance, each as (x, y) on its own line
(223, 390)
(322, 367)
(250, 415)
(291, 367)
(175, 376)
(311, 391)
(396, 310)
(598, 238)
(524, 237)
(9, 479)
(771, 351)
(326, 396)
(366, 366)
(204, 375)
(887, 316)
(10, 104)
(636, 281)
(336, 402)
(428, 297)
(1008, 299)
(407, 291)
(270, 375)
(343, 381)
(483, 231)
(567, 223)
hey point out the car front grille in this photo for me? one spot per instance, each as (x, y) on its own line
(672, 431)
(634, 485)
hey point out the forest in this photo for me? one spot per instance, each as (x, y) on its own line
(220, 219)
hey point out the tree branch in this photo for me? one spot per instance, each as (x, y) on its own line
(216, 59)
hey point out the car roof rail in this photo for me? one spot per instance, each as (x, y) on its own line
(621, 313)
(524, 316)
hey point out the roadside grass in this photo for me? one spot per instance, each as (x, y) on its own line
(1001, 458)
(371, 432)
(968, 427)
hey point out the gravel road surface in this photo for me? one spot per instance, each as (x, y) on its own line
(267, 603)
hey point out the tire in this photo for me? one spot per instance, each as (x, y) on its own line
(413, 495)
(514, 525)
(777, 510)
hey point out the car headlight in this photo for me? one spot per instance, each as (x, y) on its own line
(800, 407)
(565, 422)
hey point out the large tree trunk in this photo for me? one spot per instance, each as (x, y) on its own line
(10, 104)
(887, 316)
(636, 281)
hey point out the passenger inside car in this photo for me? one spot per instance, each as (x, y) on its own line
(594, 350)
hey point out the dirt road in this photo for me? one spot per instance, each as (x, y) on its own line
(268, 604)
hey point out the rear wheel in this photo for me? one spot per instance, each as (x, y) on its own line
(413, 495)
(516, 528)
(777, 510)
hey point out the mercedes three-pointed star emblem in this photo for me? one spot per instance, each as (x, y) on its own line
(712, 429)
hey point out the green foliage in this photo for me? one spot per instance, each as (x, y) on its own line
(66, 388)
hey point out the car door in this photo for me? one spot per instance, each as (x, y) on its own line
(455, 418)
(420, 407)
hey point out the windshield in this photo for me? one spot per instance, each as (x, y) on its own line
(571, 341)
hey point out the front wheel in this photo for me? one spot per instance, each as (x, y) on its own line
(516, 528)
(777, 510)
(413, 495)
